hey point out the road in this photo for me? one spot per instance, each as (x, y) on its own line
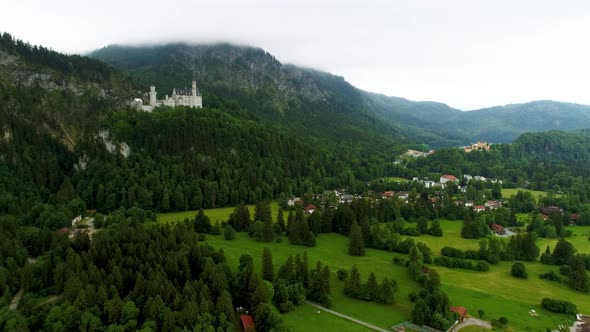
(354, 320)
(472, 322)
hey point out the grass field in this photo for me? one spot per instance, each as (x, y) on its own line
(495, 291)
(394, 179)
(331, 249)
(508, 192)
(306, 318)
(218, 214)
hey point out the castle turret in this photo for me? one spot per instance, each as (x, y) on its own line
(194, 88)
(153, 95)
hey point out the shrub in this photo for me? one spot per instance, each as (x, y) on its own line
(342, 274)
(229, 233)
(551, 275)
(558, 306)
(519, 271)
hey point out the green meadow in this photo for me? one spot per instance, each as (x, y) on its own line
(495, 292)
(508, 192)
(217, 214)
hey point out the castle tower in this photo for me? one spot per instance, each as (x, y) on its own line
(153, 95)
(194, 88)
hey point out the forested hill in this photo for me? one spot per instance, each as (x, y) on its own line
(500, 124)
(305, 100)
(69, 138)
(320, 103)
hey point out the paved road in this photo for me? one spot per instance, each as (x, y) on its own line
(472, 322)
(360, 322)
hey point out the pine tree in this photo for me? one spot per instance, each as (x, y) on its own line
(268, 233)
(372, 289)
(267, 266)
(422, 225)
(356, 244)
(435, 229)
(281, 220)
(385, 294)
(352, 287)
(577, 278)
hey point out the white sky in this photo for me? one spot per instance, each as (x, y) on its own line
(466, 53)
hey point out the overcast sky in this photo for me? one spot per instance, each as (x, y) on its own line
(466, 53)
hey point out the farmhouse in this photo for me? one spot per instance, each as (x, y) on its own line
(460, 311)
(492, 205)
(549, 210)
(498, 229)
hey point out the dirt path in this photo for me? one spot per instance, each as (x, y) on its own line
(16, 299)
(471, 322)
(354, 320)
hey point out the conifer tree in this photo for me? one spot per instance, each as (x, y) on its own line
(268, 233)
(281, 220)
(352, 287)
(435, 229)
(356, 244)
(267, 266)
(385, 294)
(372, 289)
(577, 278)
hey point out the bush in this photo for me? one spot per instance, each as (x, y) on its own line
(342, 274)
(519, 271)
(279, 240)
(551, 275)
(558, 306)
(201, 237)
(229, 233)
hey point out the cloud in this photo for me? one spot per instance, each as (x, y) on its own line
(469, 54)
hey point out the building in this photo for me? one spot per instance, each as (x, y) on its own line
(309, 209)
(447, 177)
(247, 323)
(492, 205)
(180, 97)
(498, 229)
(479, 208)
(460, 311)
(479, 146)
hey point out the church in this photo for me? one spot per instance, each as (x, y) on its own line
(180, 97)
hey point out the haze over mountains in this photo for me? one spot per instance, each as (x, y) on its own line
(283, 92)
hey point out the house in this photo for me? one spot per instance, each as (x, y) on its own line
(479, 208)
(294, 201)
(582, 324)
(309, 209)
(498, 229)
(549, 210)
(76, 220)
(467, 177)
(448, 177)
(429, 183)
(479, 146)
(469, 204)
(247, 323)
(574, 218)
(387, 194)
(460, 311)
(479, 178)
(463, 189)
(346, 198)
(403, 195)
(492, 205)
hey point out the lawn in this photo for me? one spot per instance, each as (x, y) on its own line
(508, 192)
(394, 179)
(331, 249)
(217, 214)
(306, 318)
(495, 291)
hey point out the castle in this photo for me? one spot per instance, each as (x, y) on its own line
(479, 146)
(180, 97)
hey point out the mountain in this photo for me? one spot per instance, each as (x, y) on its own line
(322, 104)
(500, 124)
(302, 99)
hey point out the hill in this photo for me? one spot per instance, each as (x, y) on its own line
(302, 99)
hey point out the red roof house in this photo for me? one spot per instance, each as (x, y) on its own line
(247, 322)
(448, 177)
(498, 229)
(387, 194)
(309, 209)
(461, 311)
(479, 208)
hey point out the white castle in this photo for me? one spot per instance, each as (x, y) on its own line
(180, 97)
